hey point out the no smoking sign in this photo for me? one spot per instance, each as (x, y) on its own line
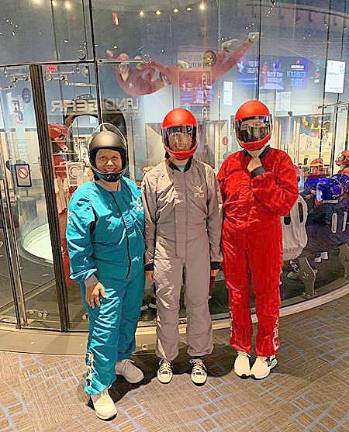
(23, 178)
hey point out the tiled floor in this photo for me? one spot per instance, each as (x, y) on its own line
(308, 391)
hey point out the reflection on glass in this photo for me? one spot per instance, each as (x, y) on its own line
(20, 150)
(207, 60)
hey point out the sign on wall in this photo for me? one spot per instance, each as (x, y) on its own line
(335, 76)
(22, 174)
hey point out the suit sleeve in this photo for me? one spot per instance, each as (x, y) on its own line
(149, 204)
(225, 62)
(276, 191)
(81, 218)
(214, 218)
(221, 179)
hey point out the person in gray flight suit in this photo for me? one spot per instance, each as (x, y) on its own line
(182, 202)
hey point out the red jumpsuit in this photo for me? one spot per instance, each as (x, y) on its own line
(252, 242)
(139, 82)
(224, 62)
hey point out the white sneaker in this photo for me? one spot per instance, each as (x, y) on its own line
(144, 306)
(129, 371)
(262, 367)
(324, 255)
(242, 365)
(198, 371)
(253, 36)
(152, 303)
(230, 44)
(293, 274)
(104, 406)
(165, 372)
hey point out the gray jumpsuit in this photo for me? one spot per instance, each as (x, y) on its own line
(182, 232)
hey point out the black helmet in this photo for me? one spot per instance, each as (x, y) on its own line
(110, 140)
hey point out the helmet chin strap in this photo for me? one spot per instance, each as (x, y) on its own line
(108, 177)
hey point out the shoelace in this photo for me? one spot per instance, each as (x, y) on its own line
(165, 367)
(198, 367)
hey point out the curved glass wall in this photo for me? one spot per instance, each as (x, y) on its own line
(209, 57)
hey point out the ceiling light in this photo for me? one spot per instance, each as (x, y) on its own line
(141, 13)
(175, 10)
(158, 12)
(68, 5)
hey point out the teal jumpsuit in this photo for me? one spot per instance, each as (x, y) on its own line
(105, 240)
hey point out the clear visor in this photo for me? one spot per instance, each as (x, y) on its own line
(180, 138)
(253, 128)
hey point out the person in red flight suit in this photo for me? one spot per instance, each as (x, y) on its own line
(150, 77)
(59, 135)
(137, 81)
(258, 185)
(215, 66)
(343, 162)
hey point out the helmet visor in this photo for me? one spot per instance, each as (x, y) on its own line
(253, 128)
(180, 138)
(340, 159)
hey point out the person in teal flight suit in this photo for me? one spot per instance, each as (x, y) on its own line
(106, 247)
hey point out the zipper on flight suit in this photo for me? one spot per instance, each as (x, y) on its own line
(186, 228)
(127, 240)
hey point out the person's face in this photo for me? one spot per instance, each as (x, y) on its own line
(209, 58)
(124, 69)
(108, 161)
(180, 141)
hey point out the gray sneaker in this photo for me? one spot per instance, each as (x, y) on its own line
(165, 372)
(198, 371)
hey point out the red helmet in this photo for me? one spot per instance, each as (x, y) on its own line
(317, 168)
(343, 158)
(253, 125)
(319, 162)
(59, 135)
(179, 121)
(345, 171)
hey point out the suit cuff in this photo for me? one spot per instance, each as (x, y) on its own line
(149, 267)
(215, 265)
(257, 171)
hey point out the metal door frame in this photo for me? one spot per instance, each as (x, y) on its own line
(39, 103)
(12, 249)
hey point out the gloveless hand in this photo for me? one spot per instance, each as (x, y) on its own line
(149, 274)
(214, 273)
(254, 163)
(92, 294)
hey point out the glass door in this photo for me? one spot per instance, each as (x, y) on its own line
(72, 116)
(24, 211)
